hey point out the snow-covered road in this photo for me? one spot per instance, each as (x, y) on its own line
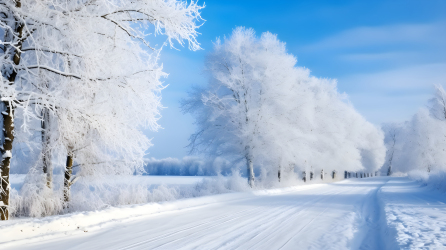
(350, 214)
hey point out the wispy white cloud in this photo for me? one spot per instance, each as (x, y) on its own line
(379, 108)
(393, 95)
(433, 34)
(388, 71)
(384, 56)
(398, 80)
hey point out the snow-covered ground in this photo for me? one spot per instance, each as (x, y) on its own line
(371, 213)
(154, 180)
(416, 215)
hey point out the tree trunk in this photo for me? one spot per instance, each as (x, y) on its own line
(46, 149)
(304, 178)
(389, 171)
(67, 180)
(311, 175)
(333, 174)
(8, 131)
(250, 166)
(251, 177)
(278, 173)
(322, 174)
(8, 128)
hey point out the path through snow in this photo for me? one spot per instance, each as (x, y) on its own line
(350, 214)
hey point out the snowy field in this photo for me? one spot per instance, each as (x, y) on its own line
(371, 213)
(18, 179)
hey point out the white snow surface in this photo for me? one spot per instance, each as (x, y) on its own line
(370, 213)
(416, 215)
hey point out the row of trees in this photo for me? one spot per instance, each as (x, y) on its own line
(261, 109)
(420, 143)
(80, 81)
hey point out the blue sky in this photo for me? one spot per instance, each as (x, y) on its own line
(386, 55)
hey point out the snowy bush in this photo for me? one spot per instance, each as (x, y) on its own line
(35, 198)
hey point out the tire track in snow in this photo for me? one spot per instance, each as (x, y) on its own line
(316, 216)
(252, 230)
(372, 221)
(212, 220)
(291, 220)
(221, 223)
(256, 228)
(267, 214)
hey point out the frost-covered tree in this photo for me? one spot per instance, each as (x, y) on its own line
(438, 104)
(323, 131)
(228, 110)
(421, 141)
(260, 108)
(83, 75)
(390, 139)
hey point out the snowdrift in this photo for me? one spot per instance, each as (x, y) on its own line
(435, 179)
